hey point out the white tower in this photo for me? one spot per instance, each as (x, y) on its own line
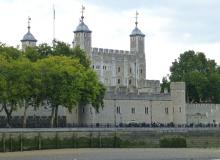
(28, 39)
(82, 36)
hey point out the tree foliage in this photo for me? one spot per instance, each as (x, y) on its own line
(58, 75)
(201, 75)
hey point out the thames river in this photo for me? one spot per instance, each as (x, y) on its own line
(115, 154)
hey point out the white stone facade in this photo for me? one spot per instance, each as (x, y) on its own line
(130, 98)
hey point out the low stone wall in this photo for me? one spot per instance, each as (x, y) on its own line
(37, 139)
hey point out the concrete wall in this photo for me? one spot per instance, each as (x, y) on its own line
(26, 139)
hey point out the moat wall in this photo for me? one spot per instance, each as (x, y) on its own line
(37, 139)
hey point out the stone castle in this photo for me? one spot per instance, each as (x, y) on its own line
(130, 98)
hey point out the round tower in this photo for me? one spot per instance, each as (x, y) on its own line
(82, 35)
(28, 39)
(137, 39)
(137, 46)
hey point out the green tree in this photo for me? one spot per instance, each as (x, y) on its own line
(10, 87)
(200, 74)
(61, 76)
(62, 79)
(165, 84)
(30, 86)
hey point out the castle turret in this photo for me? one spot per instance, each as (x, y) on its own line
(178, 97)
(28, 39)
(82, 35)
(137, 45)
(137, 39)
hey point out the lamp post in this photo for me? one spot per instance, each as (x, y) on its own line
(151, 112)
(115, 112)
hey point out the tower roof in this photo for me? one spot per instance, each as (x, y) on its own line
(82, 27)
(136, 31)
(28, 36)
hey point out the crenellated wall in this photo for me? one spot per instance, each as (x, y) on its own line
(110, 51)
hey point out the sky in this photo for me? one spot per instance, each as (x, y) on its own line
(171, 26)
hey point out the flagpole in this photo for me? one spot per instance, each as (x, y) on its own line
(53, 25)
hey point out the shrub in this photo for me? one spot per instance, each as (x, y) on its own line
(173, 142)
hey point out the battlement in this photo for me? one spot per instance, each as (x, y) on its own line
(109, 51)
(123, 93)
(150, 83)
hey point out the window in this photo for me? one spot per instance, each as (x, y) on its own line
(118, 110)
(129, 81)
(166, 110)
(133, 110)
(146, 110)
(141, 71)
(119, 69)
(180, 109)
(83, 110)
(119, 81)
(130, 70)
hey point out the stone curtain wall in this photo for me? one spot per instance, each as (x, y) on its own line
(203, 114)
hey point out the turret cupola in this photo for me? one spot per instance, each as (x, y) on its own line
(28, 39)
(137, 38)
(82, 35)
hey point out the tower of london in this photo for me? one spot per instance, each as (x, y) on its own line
(130, 97)
(118, 67)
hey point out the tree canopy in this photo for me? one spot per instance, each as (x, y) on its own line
(59, 75)
(202, 77)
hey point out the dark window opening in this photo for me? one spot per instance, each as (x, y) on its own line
(119, 81)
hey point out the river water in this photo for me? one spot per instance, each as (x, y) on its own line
(115, 154)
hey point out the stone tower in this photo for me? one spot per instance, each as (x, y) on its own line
(137, 45)
(82, 36)
(137, 39)
(178, 97)
(28, 39)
